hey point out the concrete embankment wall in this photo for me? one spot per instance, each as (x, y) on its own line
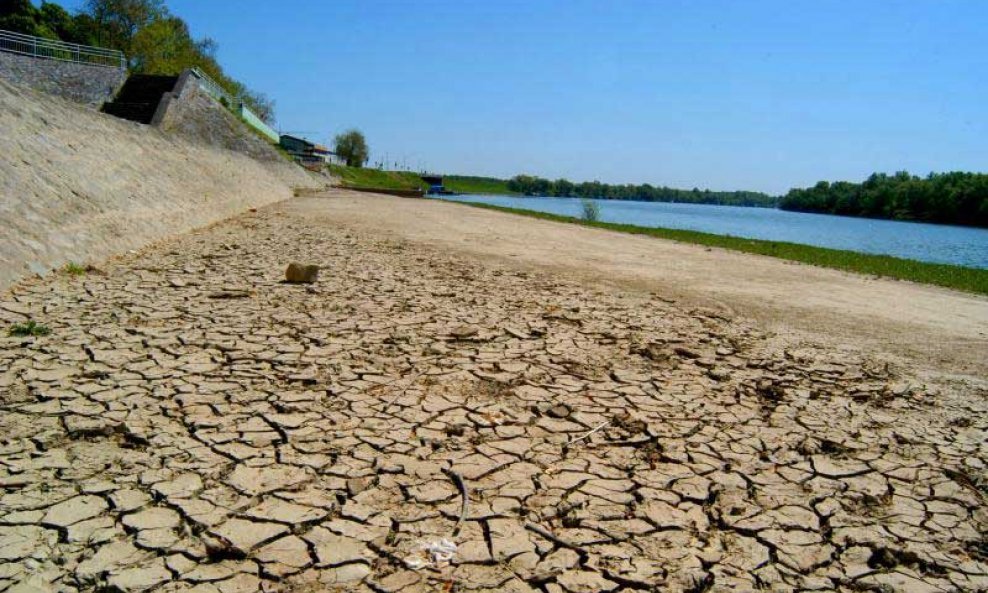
(79, 186)
(189, 112)
(82, 83)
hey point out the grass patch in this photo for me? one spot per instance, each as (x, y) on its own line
(466, 184)
(950, 276)
(30, 328)
(74, 269)
(375, 178)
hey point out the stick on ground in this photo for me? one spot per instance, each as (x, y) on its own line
(462, 486)
(553, 537)
(589, 434)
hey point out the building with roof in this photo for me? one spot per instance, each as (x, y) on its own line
(306, 152)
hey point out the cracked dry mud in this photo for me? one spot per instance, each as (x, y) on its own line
(191, 423)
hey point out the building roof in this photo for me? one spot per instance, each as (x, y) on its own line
(309, 145)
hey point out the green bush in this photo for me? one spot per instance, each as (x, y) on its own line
(30, 328)
(591, 210)
(74, 269)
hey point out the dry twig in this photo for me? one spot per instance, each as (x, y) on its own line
(553, 538)
(462, 486)
(589, 434)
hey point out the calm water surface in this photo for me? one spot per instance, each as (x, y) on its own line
(926, 242)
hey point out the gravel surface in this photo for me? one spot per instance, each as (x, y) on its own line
(191, 422)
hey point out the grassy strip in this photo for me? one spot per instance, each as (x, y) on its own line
(957, 277)
(374, 178)
(466, 184)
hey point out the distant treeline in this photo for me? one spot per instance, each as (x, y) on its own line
(537, 186)
(949, 198)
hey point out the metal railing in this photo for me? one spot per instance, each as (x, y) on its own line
(214, 90)
(38, 47)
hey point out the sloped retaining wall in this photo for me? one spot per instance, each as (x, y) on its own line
(81, 83)
(190, 112)
(77, 185)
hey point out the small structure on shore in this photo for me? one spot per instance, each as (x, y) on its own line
(436, 186)
(306, 152)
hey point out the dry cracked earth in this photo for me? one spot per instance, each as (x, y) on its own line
(419, 421)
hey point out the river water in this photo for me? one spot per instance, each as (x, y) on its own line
(939, 243)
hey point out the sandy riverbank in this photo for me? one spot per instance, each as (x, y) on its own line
(940, 329)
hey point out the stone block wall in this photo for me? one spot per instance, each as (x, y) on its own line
(81, 83)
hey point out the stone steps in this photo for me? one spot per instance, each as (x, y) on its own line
(139, 97)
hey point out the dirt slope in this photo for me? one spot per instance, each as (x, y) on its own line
(77, 185)
(940, 329)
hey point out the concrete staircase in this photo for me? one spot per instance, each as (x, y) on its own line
(139, 97)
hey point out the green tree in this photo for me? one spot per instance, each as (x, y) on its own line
(57, 20)
(164, 46)
(16, 7)
(953, 198)
(563, 188)
(351, 146)
(21, 16)
(536, 186)
(117, 22)
(83, 30)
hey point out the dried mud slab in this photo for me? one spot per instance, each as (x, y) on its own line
(323, 436)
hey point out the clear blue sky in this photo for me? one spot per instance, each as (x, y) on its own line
(722, 94)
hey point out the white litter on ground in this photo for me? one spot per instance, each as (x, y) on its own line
(437, 553)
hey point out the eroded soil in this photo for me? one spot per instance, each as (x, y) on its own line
(193, 423)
